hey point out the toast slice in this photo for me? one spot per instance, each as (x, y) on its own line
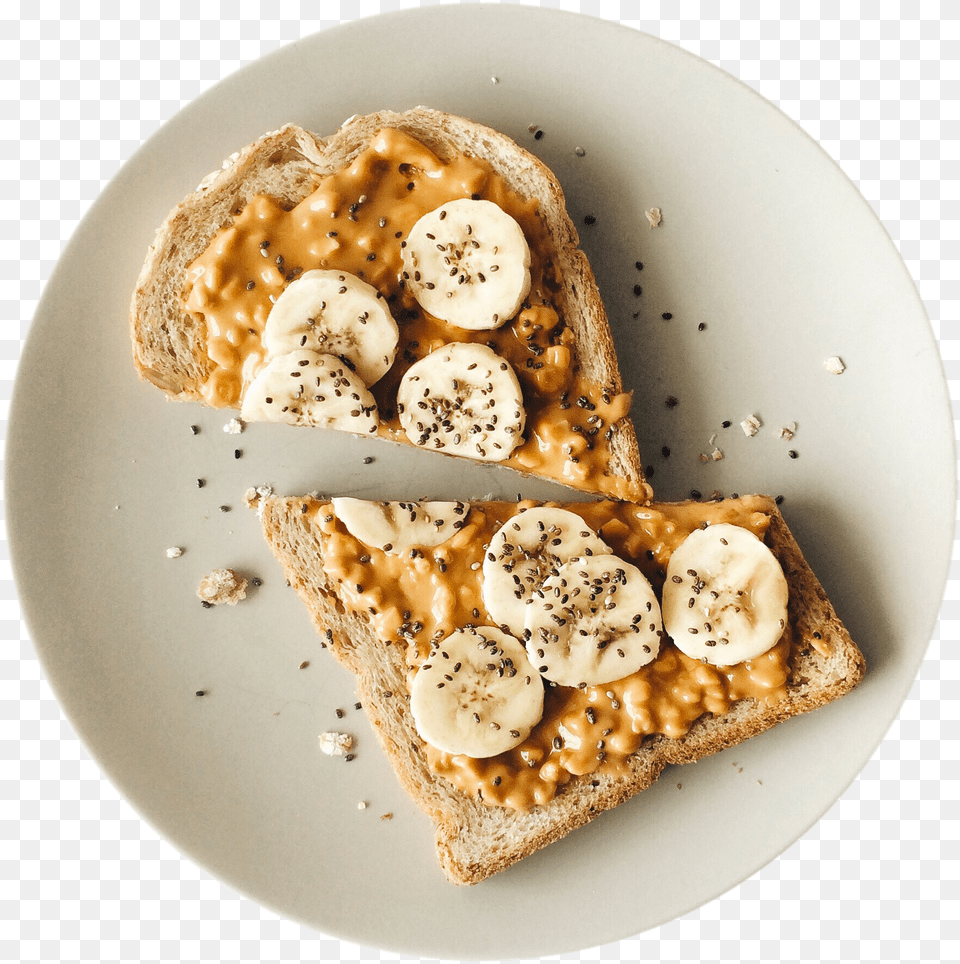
(380, 608)
(294, 203)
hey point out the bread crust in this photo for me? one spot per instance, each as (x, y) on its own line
(169, 344)
(475, 840)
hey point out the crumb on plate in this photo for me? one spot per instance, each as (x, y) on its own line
(222, 586)
(335, 744)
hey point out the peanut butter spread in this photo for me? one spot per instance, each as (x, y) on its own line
(413, 598)
(355, 220)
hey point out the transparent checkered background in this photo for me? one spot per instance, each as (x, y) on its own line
(82, 84)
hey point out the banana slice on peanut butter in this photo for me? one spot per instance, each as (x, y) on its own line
(476, 693)
(725, 596)
(524, 551)
(312, 389)
(336, 313)
(463, 399)
(467, 263)
(594, 621)
(397, 526)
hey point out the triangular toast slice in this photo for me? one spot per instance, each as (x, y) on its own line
(292, 204)
(387, 604)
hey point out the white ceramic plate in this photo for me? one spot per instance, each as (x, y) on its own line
(763, 241)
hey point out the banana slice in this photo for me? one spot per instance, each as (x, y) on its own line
(397, 526)
(467, 263)
(476, 694)
(463, 399)
(725, 598)
(313, 389)
(596, 620)
(524, 551)
(336, 313)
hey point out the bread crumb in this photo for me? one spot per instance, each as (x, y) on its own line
(654, 217)
(834, 365)
(716, 455)
(386, 816)
(788, 431)
(362, 805)
(222, 586)
(254, 497)
(233, 427)
(174, 552)
(751, 425)
(335, 744)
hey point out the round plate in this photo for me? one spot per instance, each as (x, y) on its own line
(767, 261)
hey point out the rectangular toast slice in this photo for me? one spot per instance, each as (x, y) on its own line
(203, 319)
(383, 611)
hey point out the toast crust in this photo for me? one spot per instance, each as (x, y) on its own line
(170, 343)
(474, 839)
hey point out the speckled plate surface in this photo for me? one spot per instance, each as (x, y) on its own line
(767, 262)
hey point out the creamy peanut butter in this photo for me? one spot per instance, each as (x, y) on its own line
(423, 595)
(355, 220)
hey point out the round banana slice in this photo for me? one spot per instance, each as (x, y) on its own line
(467, 263)
(463, 399)
(725, 598)
(313, 389)
(596, 620)
(397, 526)
(476, 694)
(336, 313)
(524, 551)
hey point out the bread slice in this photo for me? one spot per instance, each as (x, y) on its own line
(173, 339)
(478, 837)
